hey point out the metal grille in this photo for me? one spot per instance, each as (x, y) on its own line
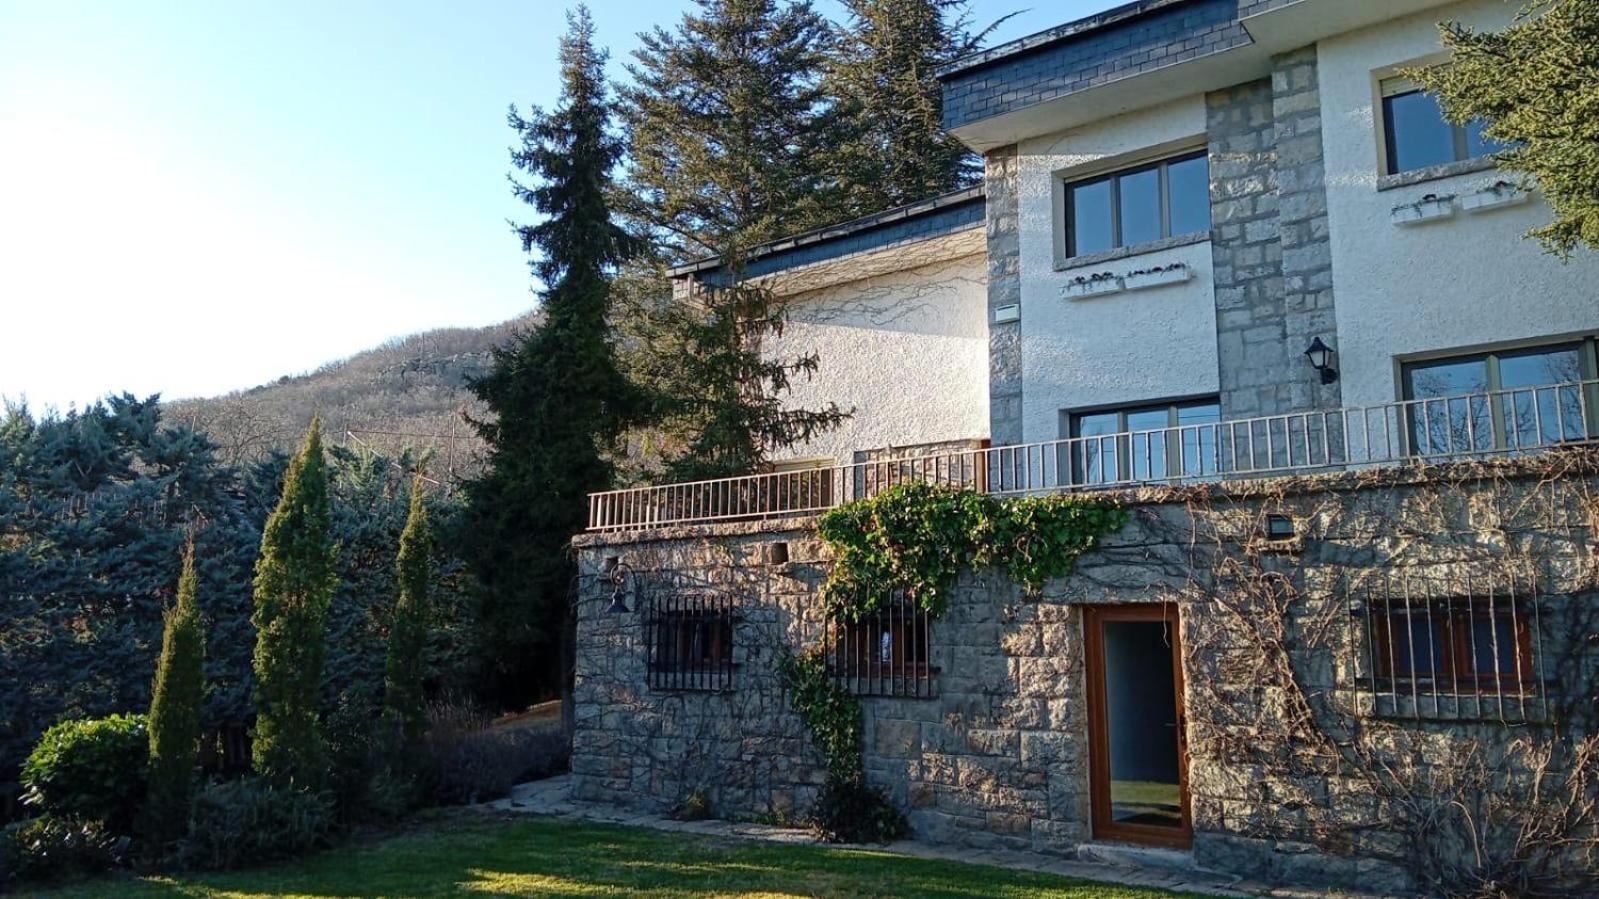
(884, 654)
(689, 641)
(1450, 647)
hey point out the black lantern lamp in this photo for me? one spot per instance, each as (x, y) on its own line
(616, 573)
(1321, 359)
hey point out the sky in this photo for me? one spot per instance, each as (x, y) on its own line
(198, 197)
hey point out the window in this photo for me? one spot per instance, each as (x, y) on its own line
(1140, 205)
(1142, 443)
(886, 653)
(1453, 649)
(1501, 400)
(690, 642)
(1418, 136)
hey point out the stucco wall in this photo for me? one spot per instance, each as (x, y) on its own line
(1467, 280)
(1126, 347)
(906, 350)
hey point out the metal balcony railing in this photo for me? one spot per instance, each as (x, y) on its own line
(1507, 422)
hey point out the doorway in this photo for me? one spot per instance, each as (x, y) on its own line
(1138, 758)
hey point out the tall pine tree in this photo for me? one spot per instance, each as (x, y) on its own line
(557, 400)
(728, 129)
(294, 583)
(175, 703)
(883, 78)
(403, 700)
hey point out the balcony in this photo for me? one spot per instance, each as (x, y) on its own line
(1504, 423)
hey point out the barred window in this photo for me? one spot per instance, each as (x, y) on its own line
(1439, 648)
(690, 642)
(886, 653)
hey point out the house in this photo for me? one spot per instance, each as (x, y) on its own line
(1230, 266)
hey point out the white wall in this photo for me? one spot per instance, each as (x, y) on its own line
(1464, 281)
(907, 350)
(1126, 347)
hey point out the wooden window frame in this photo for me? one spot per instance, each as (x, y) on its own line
(856, 663)
(1453, 651)
(675, 623)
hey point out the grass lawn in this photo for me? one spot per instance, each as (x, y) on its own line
(463, 853)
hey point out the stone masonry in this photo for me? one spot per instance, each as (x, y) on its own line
(1004, 289)
(1270, 247)
(998, 758)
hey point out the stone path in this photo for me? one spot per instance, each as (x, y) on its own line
(1164, 870)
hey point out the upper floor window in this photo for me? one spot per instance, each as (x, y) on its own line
(1503, 399)
(1418, 135)
(1142, 443)
(1138, 205)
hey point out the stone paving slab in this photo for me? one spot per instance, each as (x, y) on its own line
(552, 797)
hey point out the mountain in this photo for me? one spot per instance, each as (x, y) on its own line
(408, 392)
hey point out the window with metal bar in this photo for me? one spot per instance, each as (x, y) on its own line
(1144, 443)
(1509, 399)
(1138, 205)
(689, 639)
(1435, 647)
(884, 654)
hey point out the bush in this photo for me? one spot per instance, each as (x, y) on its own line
(91, 770)
(849, 811)
(249, 821)
(48, 846)
(467, 760)
(370, 777)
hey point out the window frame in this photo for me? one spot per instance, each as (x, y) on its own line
(1172, 453)
(1390, 149)
(853, 652)
(1114, 176)
(1415, 407)
(669, 620)
(1453, 670)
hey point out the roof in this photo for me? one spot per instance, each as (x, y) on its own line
(1074, 28)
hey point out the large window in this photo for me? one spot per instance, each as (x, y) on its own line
(1417, 134)
(1139, 205)
(1502, 400)
(1145, 443)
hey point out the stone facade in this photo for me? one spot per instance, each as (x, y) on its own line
(1273, 262)
(998, 757)
(1004, 289)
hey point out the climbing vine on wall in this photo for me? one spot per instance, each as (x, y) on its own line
(915, 538)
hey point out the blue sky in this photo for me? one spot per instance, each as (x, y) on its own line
(197, 197)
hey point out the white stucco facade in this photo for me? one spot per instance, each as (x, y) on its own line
(1464, 281)
(906, 349)
(1121, 348)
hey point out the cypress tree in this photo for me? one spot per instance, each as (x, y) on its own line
(175, 710)
(1535, 85)
(294, 584)
(402, 671)
(728, 128)
(557, 400)
(883, 77)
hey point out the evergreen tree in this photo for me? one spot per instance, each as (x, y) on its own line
(175, 704)
(883, 76)
(403, 669)
(556, 398)
(1536, 86)
(294, 583)
(728, 129)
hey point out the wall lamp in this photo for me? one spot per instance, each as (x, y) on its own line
(616, 572)
(1321, 359)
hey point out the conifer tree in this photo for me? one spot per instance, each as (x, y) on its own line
(294, 583)
(175, 703)
(883, 76)
(403, 700)
(728, 129)
(1535, 84)
(556, 398)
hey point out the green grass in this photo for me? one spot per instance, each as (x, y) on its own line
(468, 854)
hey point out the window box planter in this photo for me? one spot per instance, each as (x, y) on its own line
(1093, 285)
(1502, 193)
(1176, 273)
(1430, 208)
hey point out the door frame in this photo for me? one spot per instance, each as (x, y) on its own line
(1101, 825)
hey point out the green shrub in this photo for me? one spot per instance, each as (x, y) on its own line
(247, 821)
(467, 760)
(849, 811)
(48, 847)
(90, 770)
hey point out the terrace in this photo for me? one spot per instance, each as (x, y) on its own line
(1437, 429)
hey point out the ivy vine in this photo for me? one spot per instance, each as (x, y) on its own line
(831, 713)
(915, 538)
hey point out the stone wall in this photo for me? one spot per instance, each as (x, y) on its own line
(1004, 289)
(998, 756)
